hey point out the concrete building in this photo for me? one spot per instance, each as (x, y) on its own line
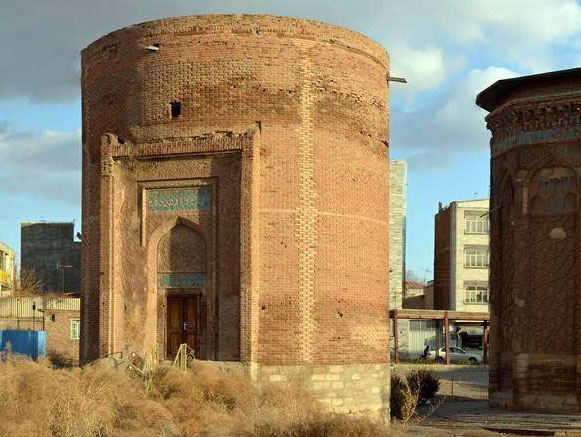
(461, 256)
(49, 250)
(397, 220)
(235, 198)
(7, 270)
(535, 335)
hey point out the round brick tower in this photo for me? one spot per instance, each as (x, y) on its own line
(235, 198)
(535, 241)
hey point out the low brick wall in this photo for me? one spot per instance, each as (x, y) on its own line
(58, 334)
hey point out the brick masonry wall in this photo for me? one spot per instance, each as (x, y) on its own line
(57, 324)
(442, 259)
(286, 120)
(397, 214)
(535, 247)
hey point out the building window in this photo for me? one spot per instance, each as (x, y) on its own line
(476, 257)
(176, 109)
(476, 293)
(476, 222)
(75, 329)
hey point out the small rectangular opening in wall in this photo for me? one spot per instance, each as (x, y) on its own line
(176, 109)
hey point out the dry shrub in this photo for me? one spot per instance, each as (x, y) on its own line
(403, 401)
(59, 359)
(424, 383)
(98, 401)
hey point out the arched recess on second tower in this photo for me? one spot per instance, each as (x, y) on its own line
(553, 190)
(179, 272)
(503, 268)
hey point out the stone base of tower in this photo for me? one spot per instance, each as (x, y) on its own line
(539, 382)
(344, 388)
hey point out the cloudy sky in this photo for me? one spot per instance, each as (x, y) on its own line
(448, 50)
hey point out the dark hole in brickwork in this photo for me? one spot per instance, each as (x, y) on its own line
(176, 109)
(121, 140)
(156, 44)
(263, 307)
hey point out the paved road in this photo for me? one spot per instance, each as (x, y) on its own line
(463, 409)
(460, 382)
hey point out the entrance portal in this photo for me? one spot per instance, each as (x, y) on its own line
(182, 323)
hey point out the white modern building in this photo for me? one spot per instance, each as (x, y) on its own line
(397, 219)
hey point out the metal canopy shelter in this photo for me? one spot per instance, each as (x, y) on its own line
(446, 316)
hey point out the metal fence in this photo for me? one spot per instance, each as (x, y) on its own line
(22, 323)
(27, 313)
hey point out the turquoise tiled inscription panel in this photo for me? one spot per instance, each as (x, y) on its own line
(179, 199)
(182, 280)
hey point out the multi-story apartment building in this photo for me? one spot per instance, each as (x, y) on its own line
(7, 269)
(461, 255)
(397, 219)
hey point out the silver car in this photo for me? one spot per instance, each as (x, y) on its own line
(456, 355)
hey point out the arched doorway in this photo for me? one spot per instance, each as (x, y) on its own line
(181, 275)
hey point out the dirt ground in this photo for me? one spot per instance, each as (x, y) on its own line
(461, 409)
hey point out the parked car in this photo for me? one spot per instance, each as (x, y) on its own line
(456, 355)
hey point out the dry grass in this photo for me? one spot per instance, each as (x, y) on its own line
(98, 401)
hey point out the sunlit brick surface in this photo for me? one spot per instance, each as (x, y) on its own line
(285, 122)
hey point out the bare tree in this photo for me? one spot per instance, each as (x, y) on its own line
(410, 275)
(27, 284)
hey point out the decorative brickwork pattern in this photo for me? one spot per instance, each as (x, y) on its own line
(535, 271)
(306, 215)
(282, 123)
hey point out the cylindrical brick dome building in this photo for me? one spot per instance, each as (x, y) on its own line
(535, 241)
(235, 198)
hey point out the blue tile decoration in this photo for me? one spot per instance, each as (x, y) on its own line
(179, 199)
(181, 280)
(519, 139)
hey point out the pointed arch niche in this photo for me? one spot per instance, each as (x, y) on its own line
(182, 284)
(553, 190)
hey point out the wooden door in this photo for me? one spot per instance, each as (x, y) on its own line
(182, 323)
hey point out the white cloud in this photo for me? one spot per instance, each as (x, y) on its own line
(431, 136)
(43, 164)
(459, 108)
(424, 69)
(41, 60)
